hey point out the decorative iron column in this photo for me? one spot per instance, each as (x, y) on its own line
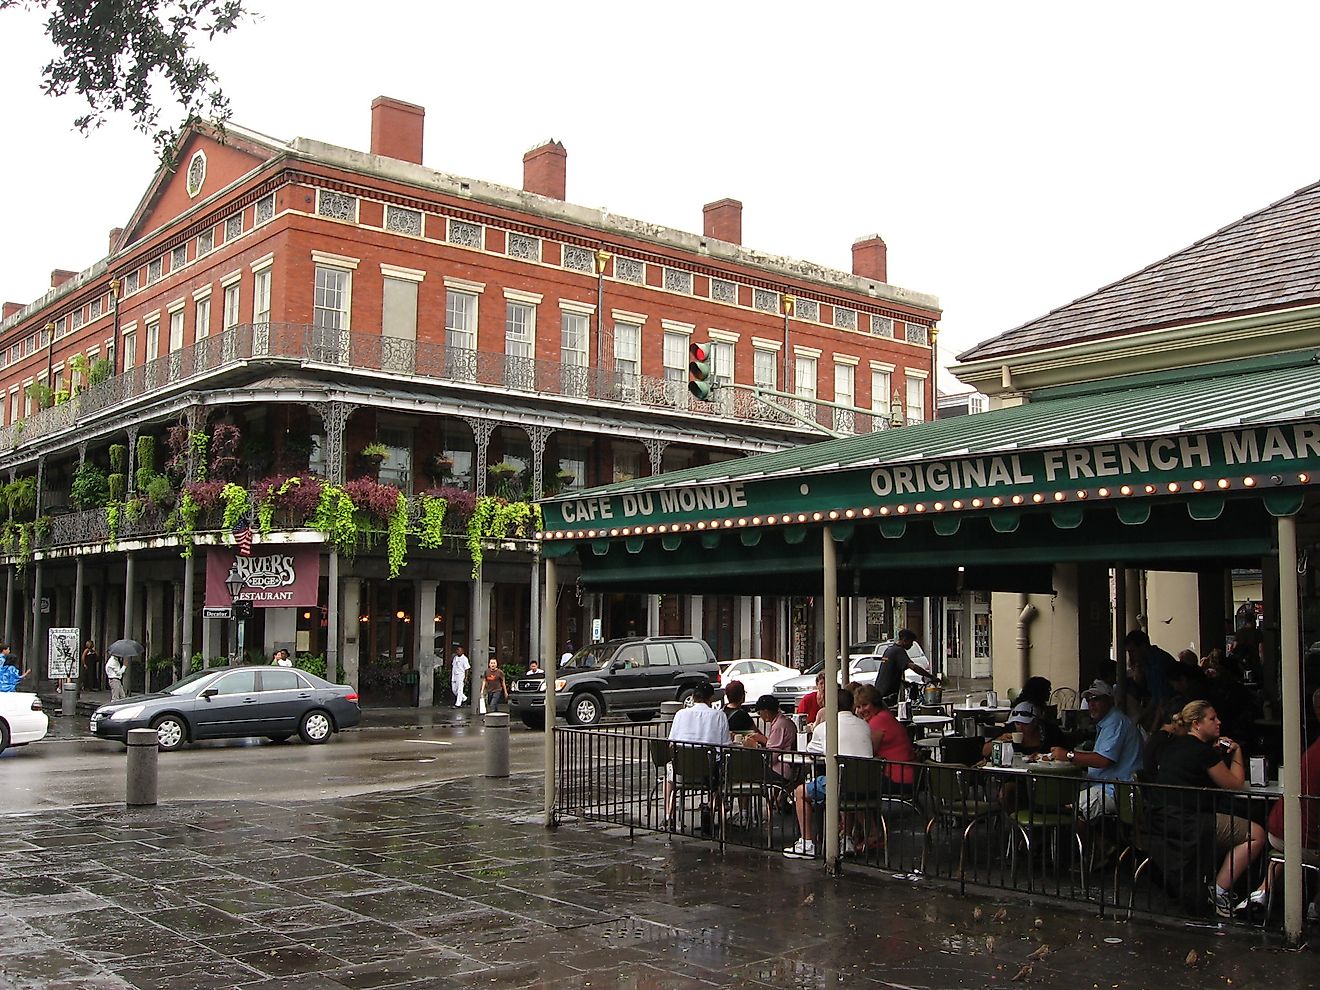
(334, 423)
(482, 431)
(130, 485)
(655, 450)
(537, 437)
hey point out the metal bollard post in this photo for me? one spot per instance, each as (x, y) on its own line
(69, 698)
(143, 750)
(497, 744)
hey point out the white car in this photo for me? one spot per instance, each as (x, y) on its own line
(21, 719)
(864, 661)
(758, 676)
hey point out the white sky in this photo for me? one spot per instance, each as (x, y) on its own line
(1012, 155)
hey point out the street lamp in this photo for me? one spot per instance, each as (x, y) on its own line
(234, 585)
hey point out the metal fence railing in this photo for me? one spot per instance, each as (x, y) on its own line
(1133, 847)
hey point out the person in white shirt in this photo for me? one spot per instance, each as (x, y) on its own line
(568, 654)
(701, 724)
(281, 658)
(114, 673)
(854, 740)
(460, 665)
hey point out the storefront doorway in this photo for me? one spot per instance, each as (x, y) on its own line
(387, 676)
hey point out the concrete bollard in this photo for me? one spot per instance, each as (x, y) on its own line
(69, 698)
(143, 750)
(497, 744)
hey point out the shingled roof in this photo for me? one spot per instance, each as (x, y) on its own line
(1267, 260)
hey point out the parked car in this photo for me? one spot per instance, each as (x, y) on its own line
(232, 702)
(631, 676)
(863, 667)
(21, 719)
(758, 676)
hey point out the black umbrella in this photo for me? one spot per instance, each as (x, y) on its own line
(125, 649)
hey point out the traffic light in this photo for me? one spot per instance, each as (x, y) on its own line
(701, 368)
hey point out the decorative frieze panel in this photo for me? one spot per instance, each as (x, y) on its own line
(844, 318)
(915, 333)
(724, 291)
(265, 209)
(678, 281)
(464, 234)
(178, 257)
(765, 300)
(629, 270)
(579, 259)
(336, 205)
(882, 326)
(807, 309)
(524, 248)
(234, 227)
(400, 220)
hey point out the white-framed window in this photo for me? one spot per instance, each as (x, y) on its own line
(14, 407)
(398, 311)
(261, 296)
(231, 305)
(202, 318)
(176, 330)
(178, 257)
(234, 227)
(916, 333)
(721, 364)
(916, 399)
(130, 349)
(460, 320)
(154, 269)
(804, 376)
(331, 298)
(626, 269)
(676, 355)
(519, 329)
(807, 310)
(575, 329)
(844, 318)
(765, 368)
(882, 391)
(845, 384)
(152, 341)
(628, 354)
(27, 398)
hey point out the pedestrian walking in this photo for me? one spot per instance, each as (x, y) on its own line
(91, 667)
(9, 674)
(494, 686)
(459, 667)
(114, 673)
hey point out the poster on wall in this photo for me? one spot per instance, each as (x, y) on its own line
(282, 576)
(62, 657)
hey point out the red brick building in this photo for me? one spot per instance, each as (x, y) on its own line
(347, 314)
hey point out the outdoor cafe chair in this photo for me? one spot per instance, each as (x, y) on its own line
(1063, 698)
(1310, 861)
(1132, 836)
(659, 752)
(694, 770)
(746, 775)
(952, 806)
(865, 789)
(1051, 809)
(961, 749)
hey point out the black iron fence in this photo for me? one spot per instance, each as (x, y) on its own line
(1040, 830)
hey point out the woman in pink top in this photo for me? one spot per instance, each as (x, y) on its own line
(889, 739)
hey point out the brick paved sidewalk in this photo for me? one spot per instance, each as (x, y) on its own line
(457, 885)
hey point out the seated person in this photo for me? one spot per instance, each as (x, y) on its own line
(1156, 745)
(780, 736)
(1024, 722)
(735, 694)
(1202, 759)
(812, 702)
(854, 740)
(701, 724)
(1116, 756)
(889, 739)
(1310, 826)
(534, 669)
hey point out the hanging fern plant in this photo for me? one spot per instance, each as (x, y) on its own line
(187, 523)
(431, 525)
(235, 498)
(335, 517)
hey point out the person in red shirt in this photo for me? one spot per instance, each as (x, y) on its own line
(889, 738)
(1310, 825)
(812, 703)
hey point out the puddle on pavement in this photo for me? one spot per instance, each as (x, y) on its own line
(403, 759)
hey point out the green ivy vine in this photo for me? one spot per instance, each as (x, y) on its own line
(335, 517)
(201, 446)
(493, 519)
(431, 525)
(112, 515)
(398, 536)
(235, 498)
(187, 523)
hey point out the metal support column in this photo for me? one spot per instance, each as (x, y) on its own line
(1120, 630)
(830, 565)
(37, 650)
(534, 646)
(129, 607)
(1290, 678)
(549, 637)
(9, 604)
(186, 614)
(77, 623)
(332, 631)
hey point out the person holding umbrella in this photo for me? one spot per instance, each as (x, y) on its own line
(115, 669)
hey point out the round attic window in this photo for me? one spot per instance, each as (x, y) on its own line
(196, 173)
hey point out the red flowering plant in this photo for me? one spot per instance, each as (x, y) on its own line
(294, 498)
(459, 501)
(375, 501)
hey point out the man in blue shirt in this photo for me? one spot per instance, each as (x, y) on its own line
(1116, 756)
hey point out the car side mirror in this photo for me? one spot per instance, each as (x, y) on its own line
(210, 693)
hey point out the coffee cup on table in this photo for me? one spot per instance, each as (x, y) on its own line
(1017, 739)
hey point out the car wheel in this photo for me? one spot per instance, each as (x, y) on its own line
(641, 716)
(315, 727)
(282, 737)
(4, 735)
(585, 709)
(685, 697)
(170, 733)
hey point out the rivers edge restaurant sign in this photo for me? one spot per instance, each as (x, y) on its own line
(1258, 459)
(278, 576)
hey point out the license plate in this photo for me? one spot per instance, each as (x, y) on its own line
(93, 726)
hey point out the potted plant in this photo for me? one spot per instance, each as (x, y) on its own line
(503, 471)
(371, 457)
(442, 465)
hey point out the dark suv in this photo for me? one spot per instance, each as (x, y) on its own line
(632, 676)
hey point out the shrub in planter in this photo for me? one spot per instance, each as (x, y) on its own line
(459, 501)
(375, 500)
(226, 439)
(118, 458)
(89, 488)
(160, 493)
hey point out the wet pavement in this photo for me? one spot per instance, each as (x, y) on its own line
(457, 885)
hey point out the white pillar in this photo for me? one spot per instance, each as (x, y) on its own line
(549, 649)
(534, 611)
(695, 619)
(653, 615)
(756, 627)
(349, 630)
(830, 603)
(424, 642)
(1290, 679)
(745, 627)
(860, 632)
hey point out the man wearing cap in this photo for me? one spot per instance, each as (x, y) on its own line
(1026, 724)
(1116, 756)
(896, 664)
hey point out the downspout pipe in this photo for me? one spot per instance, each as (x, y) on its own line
(1026, 612)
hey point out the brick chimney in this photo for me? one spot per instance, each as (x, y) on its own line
(9, 310)
(545, 170)
(871, 258)
(115, 234)
(723, 220)
(396, 129)
(59, 276)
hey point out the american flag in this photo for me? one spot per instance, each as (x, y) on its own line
(243, 537)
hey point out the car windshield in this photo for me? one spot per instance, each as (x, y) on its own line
(194, 682)
(591, 657)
